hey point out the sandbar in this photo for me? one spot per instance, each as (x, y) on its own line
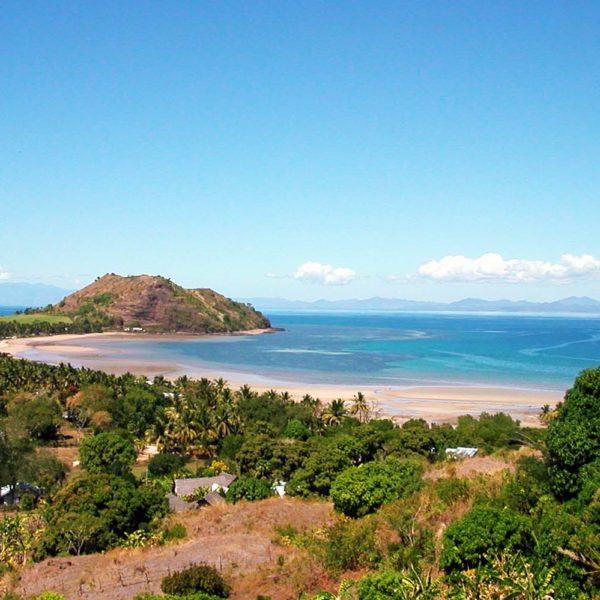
(433, 403)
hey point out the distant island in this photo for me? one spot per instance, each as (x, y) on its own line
(573, 304)
(140, 303)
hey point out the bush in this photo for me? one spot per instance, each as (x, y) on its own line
(394, 585)
(350, 545)
(176, 532)
(484, 531)
(199, 578)
(452, 490)
(165, 464)
(248, 488)
(358, 491)
(194, 596)
(49, 596)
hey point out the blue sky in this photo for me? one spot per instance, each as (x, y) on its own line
(228, 144)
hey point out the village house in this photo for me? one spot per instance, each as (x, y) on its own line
(184, 488)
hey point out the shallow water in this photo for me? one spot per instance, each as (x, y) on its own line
(531, 352)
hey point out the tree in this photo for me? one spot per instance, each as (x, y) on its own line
(39, 417)
(482, 532)
(360, 408)
(165, 464)
(358, 491)
(573, 439)
(335, 413)
(297, 430)
(107, 507)
(107, 453)
(318, 472)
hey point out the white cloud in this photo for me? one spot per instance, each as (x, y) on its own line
(316, 272)
(4, 274)
(493, 267)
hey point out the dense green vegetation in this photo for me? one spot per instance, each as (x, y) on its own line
(29, 318)
(532, 533)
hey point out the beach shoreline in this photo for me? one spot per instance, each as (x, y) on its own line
(439, 404)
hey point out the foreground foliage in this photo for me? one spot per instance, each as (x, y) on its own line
(531, 534)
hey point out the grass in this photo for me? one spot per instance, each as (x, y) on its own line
(41, 318)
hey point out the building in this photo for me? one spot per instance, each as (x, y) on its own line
(460, 452)
(217, 486)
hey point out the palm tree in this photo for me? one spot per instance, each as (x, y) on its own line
(334, 414)
(245, 393)
(360, 407)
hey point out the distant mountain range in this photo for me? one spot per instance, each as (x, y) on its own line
(573, 304)
(30, 294)
(39, 294)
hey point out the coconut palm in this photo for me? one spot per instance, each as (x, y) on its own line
(360, 408)
(335, 413)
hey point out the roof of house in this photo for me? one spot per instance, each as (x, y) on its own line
(213, 498)
(461, 452)
(177, 504)
(185, 487)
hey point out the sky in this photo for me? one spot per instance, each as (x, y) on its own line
(421, 150)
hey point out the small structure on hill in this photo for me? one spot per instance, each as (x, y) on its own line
(184, 490)
(460, 452)
(12, 494)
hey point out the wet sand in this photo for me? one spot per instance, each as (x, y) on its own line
(433, 403)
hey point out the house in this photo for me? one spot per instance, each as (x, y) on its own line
(218, 483)
(460, 452)
(183, 488)
(12, 495)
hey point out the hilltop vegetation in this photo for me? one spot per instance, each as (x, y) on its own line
(143, 302)
(407, 525)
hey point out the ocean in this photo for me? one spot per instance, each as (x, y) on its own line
(403, 349)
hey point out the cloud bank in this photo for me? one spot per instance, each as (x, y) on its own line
(493, 267)
(316, 272)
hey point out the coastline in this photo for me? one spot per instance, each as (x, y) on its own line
(444, 403)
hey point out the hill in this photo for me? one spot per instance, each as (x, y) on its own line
(157, 304)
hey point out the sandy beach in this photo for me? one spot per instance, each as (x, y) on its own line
(433, 403)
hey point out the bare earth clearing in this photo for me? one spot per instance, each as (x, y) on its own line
(237, 539)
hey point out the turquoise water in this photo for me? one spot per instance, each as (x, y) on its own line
(535, 352)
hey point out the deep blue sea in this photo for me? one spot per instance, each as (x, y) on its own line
(535, 352)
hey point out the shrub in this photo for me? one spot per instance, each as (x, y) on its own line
(176, 532)
(484, 531)
(360, 490)
(199, 578)
(248, 488)
(350, 545)
(49, 596)
(452, 490)
(393, 585)
(165, 464)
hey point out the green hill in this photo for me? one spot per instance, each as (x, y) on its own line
(156, 304)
